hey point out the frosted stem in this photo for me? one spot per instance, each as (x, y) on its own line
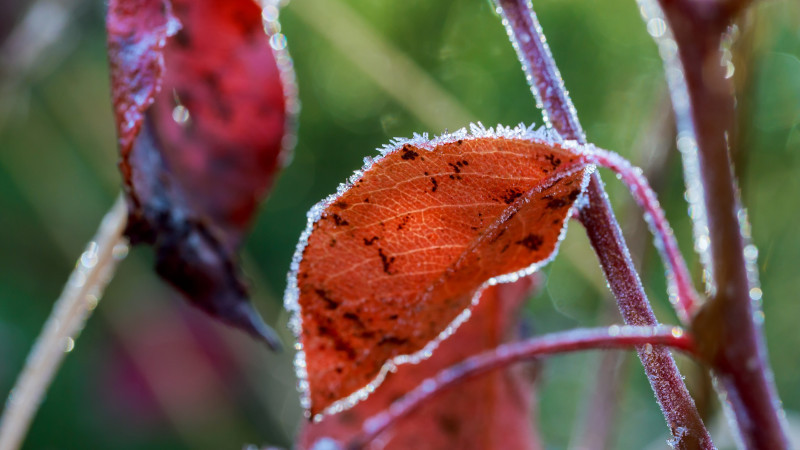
(602, 228)
(79, 297)
(507, 354)
(682, 292)
(729, 336)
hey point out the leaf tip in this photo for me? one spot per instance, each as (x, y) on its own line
(249, 320)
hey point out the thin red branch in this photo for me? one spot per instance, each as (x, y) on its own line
(683, 294)
(507, 354)
(731, 340)
(602, 228)
(679, 409)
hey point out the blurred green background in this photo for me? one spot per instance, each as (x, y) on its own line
(150, 372)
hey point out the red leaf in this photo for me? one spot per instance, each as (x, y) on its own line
(392, 262)
(492, 411)
(201, 118)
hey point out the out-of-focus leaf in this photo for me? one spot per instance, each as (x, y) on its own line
(201, 115)
(388, 267)
(492, 411)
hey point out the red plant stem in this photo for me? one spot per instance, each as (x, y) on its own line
(677, 405)
(507, 354)
(687, 300)
(603, 230)
(731, 340)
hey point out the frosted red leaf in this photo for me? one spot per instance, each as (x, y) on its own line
(391, 265)
(495, 410)
(201, 113)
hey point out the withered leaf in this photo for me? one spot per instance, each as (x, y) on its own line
(201, 113)
(495, 410)
(388, 267)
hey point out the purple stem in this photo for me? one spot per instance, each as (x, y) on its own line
(507, 354)
(680, 281)
(730, 338)
(604, 233)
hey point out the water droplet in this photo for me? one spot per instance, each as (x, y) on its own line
(613, 330)
(120, 251)
(89, 257)
(751, 252)
(69, 344)
(677, 332)
(703, 242)
(180, 114)
(656, 27)
(278, 41)
(269, 13)
(755, 293)
(272, 28)
(91, 302)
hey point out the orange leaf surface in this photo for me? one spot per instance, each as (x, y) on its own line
(389, 266)
(492, 411)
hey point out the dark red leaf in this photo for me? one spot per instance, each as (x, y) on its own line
(201, 113)
(491, 411)
(392, 262)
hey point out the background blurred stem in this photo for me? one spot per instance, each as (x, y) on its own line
(729, 337)
(93, 271)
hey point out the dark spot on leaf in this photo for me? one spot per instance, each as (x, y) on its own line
(532, 242)
(371, 240)
(182, 39)
(338, 343)
(340, 204)
(339, 221)
(456, 167)
(329, 302)
(392, 340)
(557, 203)
(408, 154)
(574, 195)
(553, 160)
(403, 222)
(511, 195)
(435, 184)
(333, 242)
(450, 425)
(355, 319)
(386, 260)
